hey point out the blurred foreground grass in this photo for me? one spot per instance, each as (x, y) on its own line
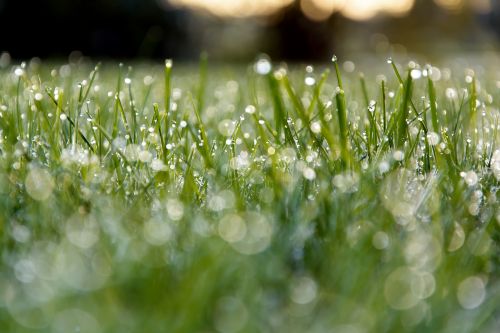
(259, 199)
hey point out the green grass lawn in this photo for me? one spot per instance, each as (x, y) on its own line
(219, 198)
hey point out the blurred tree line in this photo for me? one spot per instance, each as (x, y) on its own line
(153, 29)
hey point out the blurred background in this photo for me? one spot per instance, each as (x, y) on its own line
(238, 30)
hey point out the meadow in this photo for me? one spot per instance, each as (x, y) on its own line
(259, 198)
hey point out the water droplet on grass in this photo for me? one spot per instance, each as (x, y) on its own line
(39, 184)
(262, 66)
(309, 81)
(398, 155)
(257, 237)
(471, 292)
(346, 182)
(232, 228)
(398, 289)
(148, 80)
(371, 106)
(250, 109)
(423, 284)
(25, 271)
(175, 209)
(280, 74)
(433, 138)
(435, 74)
(20, 233)
(309, 173)
(82, 230)
(383, 167)
(380, 240)
(349, 66)
(158, 165)
(457, 239)
(416, 74)
(65, 71)
(226, 127)
(470, 178)
(157, 232)
(303, 290)
(145, 156)
(316, 127)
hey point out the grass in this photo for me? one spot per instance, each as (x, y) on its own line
(255, 199)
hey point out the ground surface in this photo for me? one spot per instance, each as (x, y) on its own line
(250, 199)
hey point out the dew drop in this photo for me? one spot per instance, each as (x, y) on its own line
(148, 80)
(157, 232)
(471, 178)
(39, 184)
(232, 228)
(303, 290)
(380, 240)
(262, 66)
(250, 109)
(433, 138)
(316, 127)
(309, 81)
(349, 66)
(398, 289)
(309, 173)
(398, 155)
(471, 292)
(416, 74)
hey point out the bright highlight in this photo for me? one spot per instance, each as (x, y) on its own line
(235, 8)
(317, 10)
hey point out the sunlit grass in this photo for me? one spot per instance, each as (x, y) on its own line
(256, 199)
